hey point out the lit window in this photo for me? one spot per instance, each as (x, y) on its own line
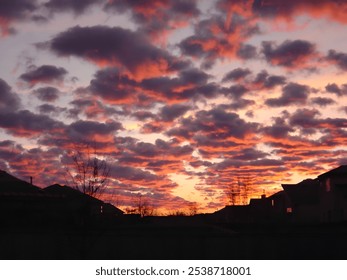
(289, 210)
(272, 202)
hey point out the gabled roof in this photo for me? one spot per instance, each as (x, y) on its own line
(68, 192)
(12, 185)
(111, 209)
(340, 171)
(232, 209)
(306, 191)
(277, 195)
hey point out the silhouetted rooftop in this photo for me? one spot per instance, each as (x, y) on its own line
(111, 209)
(306, 191)
(277, 194)
(69, 192)
(12, 185)
(340, 171)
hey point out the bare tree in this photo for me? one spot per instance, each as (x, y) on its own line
(193, 208)
(142, 207)
(239, 193)
(246, 189)
(88, 174)
(233, 193)
(177, 213)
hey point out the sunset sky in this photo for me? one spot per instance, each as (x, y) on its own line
(182, 98)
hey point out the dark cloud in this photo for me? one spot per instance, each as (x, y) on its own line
(9, 149)
(240, 104)
(216, 124)
(292, 94)
(235, 91)
(98, 135)
(93, 108)
(43, 165)
(9, 101)
(27, 124)
(192, 47)
(338, 90)
(91, 128)
(168, 85)
(339, 58)
(190, 83)
(169, 113)
(82, 102)
(264, 80)
(47, 94)
(193, 76)
(50, 109)
(152, 127)
(236, 74)
(158, 16)
(111, 85)
(129, 173)
(322, 101)
(220, 37)
(143, 115)
(115, 46)
(161, 157)
(44, 74)
(280, 129)
(77, 6)
(248, 154)
(166, 115)
(289, 54)
(247, 51)
(308, 119)
(39, 19)
(334, 10)
(14, 10)
(160, 149)
(234, 163)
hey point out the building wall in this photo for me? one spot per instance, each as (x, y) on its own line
(333, 199)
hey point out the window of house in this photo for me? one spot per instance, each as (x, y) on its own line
(289, 210)
(272, 202)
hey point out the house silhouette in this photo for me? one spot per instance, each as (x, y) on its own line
(23, 204)
(81, 208)
(333, 195)
(312, 201)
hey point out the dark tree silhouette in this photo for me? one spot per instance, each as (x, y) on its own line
(87, 173)
(239, 192)
(142, 206)
(193, 208)
(246, 189)
(232, 192)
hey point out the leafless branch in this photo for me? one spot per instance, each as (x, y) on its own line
(88, 174)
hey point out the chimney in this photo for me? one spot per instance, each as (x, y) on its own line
(31, 180)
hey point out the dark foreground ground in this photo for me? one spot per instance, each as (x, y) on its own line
(152, 240)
